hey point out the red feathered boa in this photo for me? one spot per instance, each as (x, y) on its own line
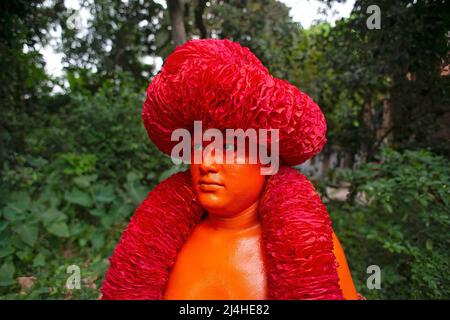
(297, 240)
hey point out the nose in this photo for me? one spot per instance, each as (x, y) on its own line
(208, 164)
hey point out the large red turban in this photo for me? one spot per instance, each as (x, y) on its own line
(225, 86)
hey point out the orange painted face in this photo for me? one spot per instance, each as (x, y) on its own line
(227, 189)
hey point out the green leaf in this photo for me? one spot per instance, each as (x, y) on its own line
(388, 207)
(20, 201)
(6, 251)
(59, 229)
(142, 192)
(107, 221)
(3, 225)
(82, 242)
(39, 260)
(105, 194)
(97, 212)
(7, 274)
(79, 197)
(25, 255)
(98, 240)
(132, 176)
(137, 192)
(28, 233)
(53, 215)
(12, 214)
(84, 181)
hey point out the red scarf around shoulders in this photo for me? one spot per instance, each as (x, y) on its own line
(296, 240)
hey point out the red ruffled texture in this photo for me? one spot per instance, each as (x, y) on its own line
(296, 237)
(225, 86)
(139, 267)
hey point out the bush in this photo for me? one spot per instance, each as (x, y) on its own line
(398, 217)
(67, 198)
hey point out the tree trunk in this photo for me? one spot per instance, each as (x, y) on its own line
(177, 21)
(201, 4)
(325, 163)
(385, 133)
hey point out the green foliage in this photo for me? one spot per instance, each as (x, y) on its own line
(263, 26)
(71, 194)
(378, 84)
(25, 84)
(398, 217)
(120, 34)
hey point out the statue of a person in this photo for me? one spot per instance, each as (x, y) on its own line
(223, 230)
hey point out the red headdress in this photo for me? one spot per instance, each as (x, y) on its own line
(225, 86)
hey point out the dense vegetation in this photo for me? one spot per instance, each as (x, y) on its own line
(399, 208)
(76, 162)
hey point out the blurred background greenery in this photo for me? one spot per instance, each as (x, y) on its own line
(76, 161)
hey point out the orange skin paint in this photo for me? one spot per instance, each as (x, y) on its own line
(223, 257)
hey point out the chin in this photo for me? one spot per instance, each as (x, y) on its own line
(213, 204)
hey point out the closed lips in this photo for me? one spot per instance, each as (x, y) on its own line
(211, 183)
